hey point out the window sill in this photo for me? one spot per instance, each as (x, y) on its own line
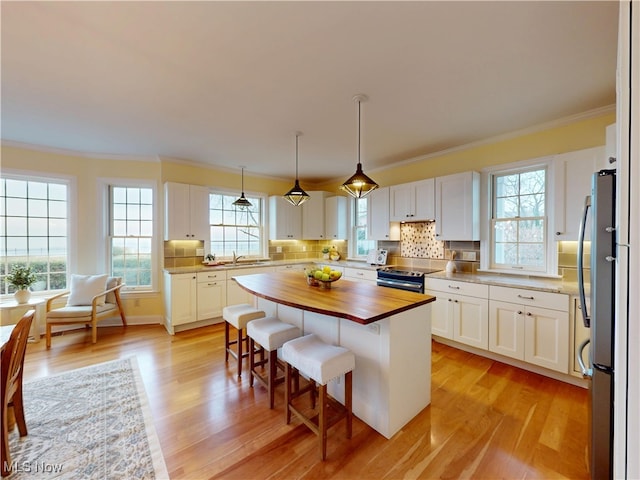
(520, 273)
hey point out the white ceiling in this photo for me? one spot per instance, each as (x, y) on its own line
(228, 83)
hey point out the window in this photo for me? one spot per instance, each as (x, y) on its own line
(235, 229)
(362, 245)
(34, 230)
(131, 234)
(519, 220)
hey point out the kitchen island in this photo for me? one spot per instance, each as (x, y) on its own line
(388, 330)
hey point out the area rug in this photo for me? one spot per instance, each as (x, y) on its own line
(89, 423)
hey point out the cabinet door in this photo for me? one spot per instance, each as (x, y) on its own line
(425, 199)
(212, 298)
(546, 334)
(186, 212)
(471, 321)
(378, 221)
(183, 298)
(236, 294)
(572, 183)
(336, 217)
(458, 206)
(313, 216)
(506, 329)
(285, 220)
(400, 203)
(199, 212)
(441, 315)
(177, 221)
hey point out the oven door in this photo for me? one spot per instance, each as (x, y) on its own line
(401, 284)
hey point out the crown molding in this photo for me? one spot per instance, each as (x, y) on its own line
(76, 153)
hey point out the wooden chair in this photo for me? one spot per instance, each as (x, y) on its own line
(95, 298)
(12, 363)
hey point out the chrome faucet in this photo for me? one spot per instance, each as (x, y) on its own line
(235, 259)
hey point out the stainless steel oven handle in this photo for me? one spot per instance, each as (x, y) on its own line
(400, 285)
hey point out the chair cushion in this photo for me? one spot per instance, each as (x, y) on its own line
(85, 287)
(318, 360)
(239, 315)
(75, 314)
(111, 283)
(271, 333)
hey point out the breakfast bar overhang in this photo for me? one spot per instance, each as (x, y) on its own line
(388, 330)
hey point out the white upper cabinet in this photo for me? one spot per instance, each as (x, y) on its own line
(313, 216)
(335, 217)
(186, 212)
(458, 206)
(378, 222)
(412, 202)
(572, 184)
(285, 220)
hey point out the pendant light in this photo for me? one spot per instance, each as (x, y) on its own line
(296, 196)
(242, 202)
(359, 185)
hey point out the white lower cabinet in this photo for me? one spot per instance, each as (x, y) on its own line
(532, 326)
(370, 276)
(211, 295)
(460, 312)
(180, 299)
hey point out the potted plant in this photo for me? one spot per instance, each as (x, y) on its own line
(21, 277)
(325, 253)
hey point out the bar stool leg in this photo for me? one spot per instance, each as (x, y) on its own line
(240, 341)
(226, 342)
(348, 401)
(287, 392)
(252, 363)
(322, 420)
(273, 367)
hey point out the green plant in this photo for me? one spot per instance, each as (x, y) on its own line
(325, 250)
(21, 277)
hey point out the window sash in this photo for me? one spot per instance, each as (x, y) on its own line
(131, 217)
(361, 243)
(34, 224)
(236, 230)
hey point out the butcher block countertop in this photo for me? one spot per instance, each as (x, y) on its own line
(360, 302)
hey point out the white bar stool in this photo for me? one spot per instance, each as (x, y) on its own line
(238, 316)
(320, 362)
(270, 333)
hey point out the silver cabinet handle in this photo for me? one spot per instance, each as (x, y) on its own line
(529, 314)
(519, 312)
(525, 297)
(454, 288)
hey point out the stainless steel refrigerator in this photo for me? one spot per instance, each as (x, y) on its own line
(599, 317)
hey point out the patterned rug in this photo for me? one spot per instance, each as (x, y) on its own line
(90, 423)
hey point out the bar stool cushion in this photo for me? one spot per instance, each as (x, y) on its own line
(271, 333)
(316, 359)
(241, 314)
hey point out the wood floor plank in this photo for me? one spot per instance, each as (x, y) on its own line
(487, 419)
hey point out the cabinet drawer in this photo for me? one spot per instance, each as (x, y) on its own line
(360, 274)
(218, 276)
(459, 288)
(534, 298)
(236, 272)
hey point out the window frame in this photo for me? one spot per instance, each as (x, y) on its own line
(103, 261)
(71, 184)
(264, 227)
(355, 227)
(487, 263)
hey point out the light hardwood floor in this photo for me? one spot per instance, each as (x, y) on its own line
(486, 420)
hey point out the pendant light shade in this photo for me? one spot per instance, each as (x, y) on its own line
(359, 184)
(296, 196)
(242, 202)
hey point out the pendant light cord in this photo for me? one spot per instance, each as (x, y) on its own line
(297, 135)
(358, 131)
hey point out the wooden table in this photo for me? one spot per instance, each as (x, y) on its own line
(388, 330)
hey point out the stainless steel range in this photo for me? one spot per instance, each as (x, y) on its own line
(412, 280)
